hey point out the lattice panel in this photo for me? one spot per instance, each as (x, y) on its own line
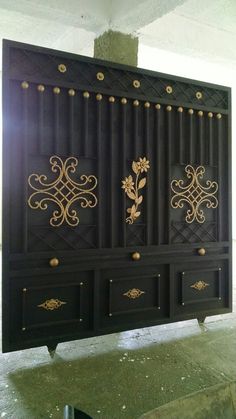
(181, 232)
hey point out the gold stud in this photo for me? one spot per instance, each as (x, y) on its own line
(111, 99)
(158, 106)
(23, 329)
(123, 101)
(99, 96)
(62, 68)
(200, 113)
(86, 95)
(81, 283)
(136, 84)
(25, 85)
(199, 95)
(136, 103)
(110, 314)
(41, 88)
(180, 109)
(147, 105)
(24, 289)
(219, 116)
(169, 89)
(210, 114)
(168, 108)
(100, 76)
(80, 320)
(190, 111)
(71, 92)
(56, 90)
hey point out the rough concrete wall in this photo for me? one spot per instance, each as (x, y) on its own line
(117, 47)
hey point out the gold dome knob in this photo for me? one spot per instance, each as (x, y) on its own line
(201, 251)
(136, 256)
(54, 262)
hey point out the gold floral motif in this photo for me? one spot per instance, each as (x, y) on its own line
(63, 191)
(194, 194)
(200, 285)
(134, 293)
(52, 304)
(132, 188)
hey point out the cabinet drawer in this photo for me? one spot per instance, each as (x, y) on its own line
(201, 287)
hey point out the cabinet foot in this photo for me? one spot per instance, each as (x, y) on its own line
(71, 413)
(201, 320)
(52, 350)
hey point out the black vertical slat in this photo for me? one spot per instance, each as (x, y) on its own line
(158, 291)
(41, 89)
(219, 175)
(25, 87)
(200, 138)
(112, 158)
(135, 129)
(180, 135)
(191, 148)
(123, 172)
(84, 145)
(210, 138)
(99, 174)
(157, 169)
(71, 93)
(169, 112)
(56, 92)
(149, 225)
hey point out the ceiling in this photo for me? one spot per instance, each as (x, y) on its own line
(197, 28)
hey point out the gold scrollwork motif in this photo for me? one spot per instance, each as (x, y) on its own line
(194, 194)
(134, 293)
(200, 285)
(63, 191)
(52, 304)
(132, 188)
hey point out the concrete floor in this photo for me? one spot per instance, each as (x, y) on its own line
(122, 375)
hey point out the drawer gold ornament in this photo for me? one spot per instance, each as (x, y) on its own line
(134, 293)
(194, 194)
(52, 304)
(200, 285)
(132, 187)
(63, 192)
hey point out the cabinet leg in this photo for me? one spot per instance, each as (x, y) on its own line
(201, 320)
(52, 349)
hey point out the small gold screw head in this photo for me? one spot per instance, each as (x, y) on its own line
(71, 92)
(56, 90)
(180, 109)
(210, 114)
(99, 96)
(41, 88)
(136, 103)
(199, 95)
(81, 283)
(158, 106)
(136, 84)
(23, 329)
(169, 89)
(24, 289)
(219, 116)
(100, 76)
(54, 262)
(110, 314)
(62, 68)
(136, 256)
(201, 251)
(80, 320)
(86, 95)
(25, 85)
(147, 105)
(200, 113)
(123, 101)
(190, 111)
(169, 108)
(111, 99)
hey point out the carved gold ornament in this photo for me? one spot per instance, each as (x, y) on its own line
(134, 293)
(194, 194)
(63, 191)
(52, 304)
(132, 188)
(200, 285)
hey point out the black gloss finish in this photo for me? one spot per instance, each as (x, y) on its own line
(96, 271)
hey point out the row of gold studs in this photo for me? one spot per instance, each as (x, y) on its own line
(123, 100)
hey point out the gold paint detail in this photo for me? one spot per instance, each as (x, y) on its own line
(136, 103)
(210, 115)
(54, 262)
(136, 256)
(56, 90)
(63, 191)
(134, 293)
(100, 76)
(169, 89)
(99, 96)
(201, 251)
(71, 92)
(194, 194)
(86, 95)
(25, 85)
(41, 88)
(200, 285)
(219, 116)
(132, 186)
(52, 304)
(136, 84)
(190, 111)
(158, 106)
(147, 105)
(62, 68)
(199, 95)
(123, 101)
(169, 108)
(180, 109)
(200, 113)
(111, 99)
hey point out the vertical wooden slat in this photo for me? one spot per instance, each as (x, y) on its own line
(41, 89)
(111, 183)
(191, 145)
(219, 175)
(200, 138)
(123, 173)
(148, 221)
(169, 112)
(25, 87)
(56, 92)
(210, 138)
(71, 94)
(180, 134)
(135, 129)
(158, 175)
(99, 172)
(84, 145)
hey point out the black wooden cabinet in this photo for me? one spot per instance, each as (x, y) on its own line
(116, 198)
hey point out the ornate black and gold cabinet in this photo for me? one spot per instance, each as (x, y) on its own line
(116, 198)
